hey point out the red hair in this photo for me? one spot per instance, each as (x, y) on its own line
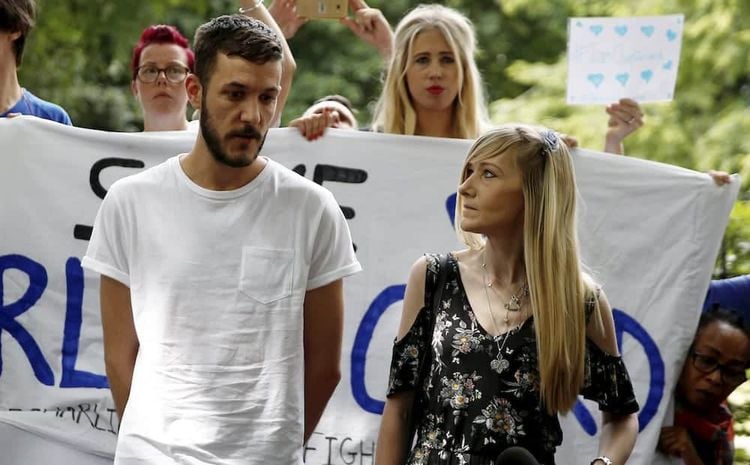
(161, 34)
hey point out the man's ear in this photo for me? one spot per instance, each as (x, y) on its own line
(194, 91)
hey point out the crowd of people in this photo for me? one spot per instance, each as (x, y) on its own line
(205, 339)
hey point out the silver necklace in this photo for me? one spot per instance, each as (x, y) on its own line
(500, 363)
(512, 305)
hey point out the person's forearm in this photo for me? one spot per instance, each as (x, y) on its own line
(618, 437)
(319, 388)
(120, 377)
(613, 145)
(390, 446)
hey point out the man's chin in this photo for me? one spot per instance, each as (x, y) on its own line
(241, 160)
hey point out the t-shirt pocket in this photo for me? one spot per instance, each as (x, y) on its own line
(267, 275)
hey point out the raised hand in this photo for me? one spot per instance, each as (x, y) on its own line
(370, 25)
(625, 116)
(720, 177)
(314, 126)
(284, 12)
(675, 441)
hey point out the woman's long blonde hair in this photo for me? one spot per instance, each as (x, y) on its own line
(558, 287)
(394, 111)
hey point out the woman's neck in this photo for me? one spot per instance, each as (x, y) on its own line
(162, 122)
(504, 259)
(435, 123)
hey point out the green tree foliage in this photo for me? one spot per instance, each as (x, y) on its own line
(79, 56)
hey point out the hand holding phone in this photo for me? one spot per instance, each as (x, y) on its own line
(322, 9)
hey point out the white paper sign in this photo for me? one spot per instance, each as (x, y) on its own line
(612, 58)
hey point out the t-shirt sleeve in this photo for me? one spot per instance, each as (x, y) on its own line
(333, 252)
(65, 118)
(107, 250)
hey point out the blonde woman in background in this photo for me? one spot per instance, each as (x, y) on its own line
(432, 85)
(519, 330)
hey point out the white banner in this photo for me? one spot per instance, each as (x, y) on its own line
(649, 232)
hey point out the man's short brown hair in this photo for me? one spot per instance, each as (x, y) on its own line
(235, 35)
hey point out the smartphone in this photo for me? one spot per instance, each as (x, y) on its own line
(322, 9)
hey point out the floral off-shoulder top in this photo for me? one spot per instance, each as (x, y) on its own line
(478, 402)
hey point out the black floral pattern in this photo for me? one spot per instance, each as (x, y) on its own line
(480, 401)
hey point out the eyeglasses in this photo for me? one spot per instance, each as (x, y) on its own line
(150, 73)
(707, 364)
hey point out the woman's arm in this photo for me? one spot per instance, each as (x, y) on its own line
(619, 432)
(391, 448)
(617, 437)
(370, 25)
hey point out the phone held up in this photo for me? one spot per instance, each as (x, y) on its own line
(322, 9)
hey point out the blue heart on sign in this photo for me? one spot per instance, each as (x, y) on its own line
(596, 79)
(648, 30)
(621, 30)
(671, 35)
(647, 74)
(667, 65)
(596, 29)
(623, 78)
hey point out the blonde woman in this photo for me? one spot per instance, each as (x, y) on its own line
(519, 330)
(432, 85)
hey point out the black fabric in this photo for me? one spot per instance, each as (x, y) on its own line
(433, 293)
(478, 407)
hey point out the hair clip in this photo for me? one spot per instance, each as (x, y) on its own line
(550, 141)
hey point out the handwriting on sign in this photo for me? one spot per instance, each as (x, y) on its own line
(102, 419)
(336, 450)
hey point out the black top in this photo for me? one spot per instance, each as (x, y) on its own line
(479, 403)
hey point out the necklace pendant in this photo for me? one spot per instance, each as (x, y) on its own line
(499, 364)
(513, 304)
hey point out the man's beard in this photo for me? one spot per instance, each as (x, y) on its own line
(213, 141)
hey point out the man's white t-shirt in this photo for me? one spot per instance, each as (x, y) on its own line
(217, 282)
